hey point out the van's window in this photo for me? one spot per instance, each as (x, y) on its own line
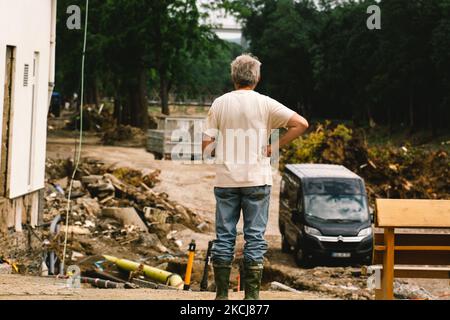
(300, 199)
(337, 208)
(333, 186)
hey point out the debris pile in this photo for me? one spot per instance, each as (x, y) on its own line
(340, 282)
(95, 118)
(124, 135)
(403, 290)
(389, 172)
(115, 211)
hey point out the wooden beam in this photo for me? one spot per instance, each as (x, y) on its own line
(415, 257)
(414, 248)
(412, 213)
(414, 237)
(422, 248)
(422, 272)
(387, 280)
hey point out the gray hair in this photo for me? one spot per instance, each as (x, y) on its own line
(245, 70)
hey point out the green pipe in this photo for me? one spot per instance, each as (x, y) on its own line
(158, 275)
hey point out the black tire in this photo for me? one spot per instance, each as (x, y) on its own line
(285, 246)
(302, 258)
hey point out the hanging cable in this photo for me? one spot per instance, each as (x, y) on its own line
(80, 140)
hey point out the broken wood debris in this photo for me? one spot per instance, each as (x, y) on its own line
(117, 204)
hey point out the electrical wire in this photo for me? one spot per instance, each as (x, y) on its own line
(80, 139)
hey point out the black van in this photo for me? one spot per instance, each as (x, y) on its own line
(324, 213)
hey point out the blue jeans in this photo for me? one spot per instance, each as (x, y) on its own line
(254, 202)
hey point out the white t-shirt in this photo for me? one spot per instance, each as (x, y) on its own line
(241, 122)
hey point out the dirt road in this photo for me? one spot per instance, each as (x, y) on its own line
(13, 287)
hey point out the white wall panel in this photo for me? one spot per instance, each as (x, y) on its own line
(26, 25)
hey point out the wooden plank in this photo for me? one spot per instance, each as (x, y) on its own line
(18, 209)
(422, 248)
(415, 257)
(422, 273)
(6, 215)
(378, 294)
(413, 213)
(34, 209)
(422, 238)
(387, 279)
(415, 248)
(6, 121)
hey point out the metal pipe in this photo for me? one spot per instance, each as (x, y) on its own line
(158, 275)
(106, 276)
(100, 283)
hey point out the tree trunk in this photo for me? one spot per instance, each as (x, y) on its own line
(389, 119)
(117, 110)
(431, 123)
(96, 94)
(164, 94)
(137, 97)
(143, 111)
(411, 109)
(127, 106)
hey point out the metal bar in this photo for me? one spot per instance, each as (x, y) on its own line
(388, 265)
(100, 283)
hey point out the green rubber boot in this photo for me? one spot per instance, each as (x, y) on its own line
(252, 280)
(222, 279)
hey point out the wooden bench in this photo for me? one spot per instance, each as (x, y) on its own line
(421, 249)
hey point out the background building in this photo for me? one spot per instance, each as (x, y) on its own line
(225, 25)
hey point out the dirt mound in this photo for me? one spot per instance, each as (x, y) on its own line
(94, 118)
(124, 135)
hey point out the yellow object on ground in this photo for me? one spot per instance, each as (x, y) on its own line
(187, 278)
(158, 275)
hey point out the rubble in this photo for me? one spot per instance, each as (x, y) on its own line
(338, 282)
(276, 286)
(127, 216)
(5, 268)
(95, 118)
(124, 135)
(403, 290)
(115, 211)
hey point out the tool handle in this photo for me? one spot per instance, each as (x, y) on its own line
(204, 282)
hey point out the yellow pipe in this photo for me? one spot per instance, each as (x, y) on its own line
(161, 276)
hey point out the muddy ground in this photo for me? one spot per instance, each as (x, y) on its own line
(34, 288)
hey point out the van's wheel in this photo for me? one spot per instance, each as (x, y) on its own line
(302, 258)
(285, 246)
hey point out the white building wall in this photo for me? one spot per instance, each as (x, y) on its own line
(26, 24)
(227, 27)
